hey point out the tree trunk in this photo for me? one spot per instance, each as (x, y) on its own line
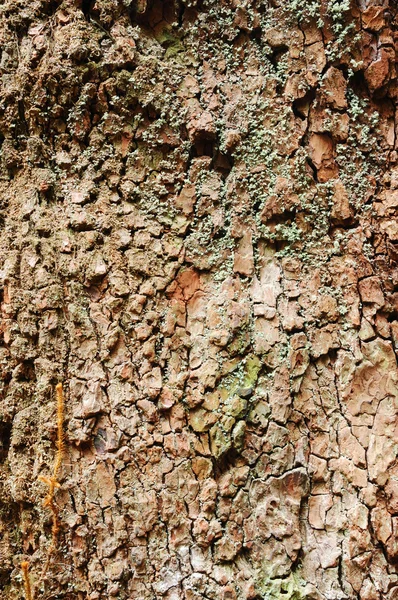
(198, 217)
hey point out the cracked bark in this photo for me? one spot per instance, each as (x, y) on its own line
(198, 216)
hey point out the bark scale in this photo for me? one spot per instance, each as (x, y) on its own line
(198, 218)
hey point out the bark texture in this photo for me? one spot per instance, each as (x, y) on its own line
(199, 240)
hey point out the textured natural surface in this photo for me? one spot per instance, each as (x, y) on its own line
(199, 239)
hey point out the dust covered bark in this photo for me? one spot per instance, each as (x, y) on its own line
(198, 206)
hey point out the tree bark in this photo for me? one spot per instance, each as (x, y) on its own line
(198, 218)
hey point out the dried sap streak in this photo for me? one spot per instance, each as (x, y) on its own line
(26, 580)
(49, 500)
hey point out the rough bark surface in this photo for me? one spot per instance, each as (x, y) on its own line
(199, 240)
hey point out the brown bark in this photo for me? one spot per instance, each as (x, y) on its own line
(198, 218)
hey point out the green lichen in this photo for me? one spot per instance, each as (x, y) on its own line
(244, 376)
(230, 430)
(171, 42)
(291, 588)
